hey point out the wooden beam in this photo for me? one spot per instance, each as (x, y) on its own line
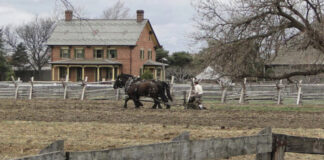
(304, 145)
(184, 150)
(265, 156)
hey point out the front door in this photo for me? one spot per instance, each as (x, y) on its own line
(79, 74)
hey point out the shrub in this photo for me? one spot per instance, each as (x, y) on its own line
(147, 75)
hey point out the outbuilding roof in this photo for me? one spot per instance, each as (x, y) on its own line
(298, 57)
(97, 32)
(154, 63)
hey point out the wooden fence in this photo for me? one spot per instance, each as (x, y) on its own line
(277, 93)
(266, 146)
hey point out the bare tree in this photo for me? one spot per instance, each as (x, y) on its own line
(117, 11)
(243, 35)
(34, 35)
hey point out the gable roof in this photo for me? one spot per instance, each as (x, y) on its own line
(98, 32)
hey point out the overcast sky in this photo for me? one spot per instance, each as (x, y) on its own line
(171, 19)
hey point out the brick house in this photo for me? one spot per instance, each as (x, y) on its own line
(101, 49)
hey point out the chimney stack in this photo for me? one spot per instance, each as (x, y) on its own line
(68, 15)
(140, 15)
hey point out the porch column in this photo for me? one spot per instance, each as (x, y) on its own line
(113, 73)
(58, 73)
(155, 74)
(98, 74)
(82, 73)
(161, 74)
(53, 73)
(68, 72)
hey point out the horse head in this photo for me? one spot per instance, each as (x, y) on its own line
(121, 80)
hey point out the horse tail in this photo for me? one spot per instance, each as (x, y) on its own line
(167, 89)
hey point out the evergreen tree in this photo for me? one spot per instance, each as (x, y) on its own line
(5, 69)
(20, 57)
(161, 53)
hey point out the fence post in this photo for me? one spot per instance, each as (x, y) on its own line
(31, 88)
(65, 86)
(117, 94)
(16, 86)
(224, 94)
(184, 97)
(84, 84)
(264, 156)
(171, 87)
(279, 147)
(299, 94)
(279, 87)
(243, 92)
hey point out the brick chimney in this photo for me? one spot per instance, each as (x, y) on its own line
(68, 15)
(140, 15)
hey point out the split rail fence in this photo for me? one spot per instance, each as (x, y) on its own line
(277, 93)
(266, 145)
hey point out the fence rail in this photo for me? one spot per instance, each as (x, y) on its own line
(266, 146)
(242, 93)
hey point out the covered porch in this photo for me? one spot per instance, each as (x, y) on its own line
(156, 68)
(78, 72)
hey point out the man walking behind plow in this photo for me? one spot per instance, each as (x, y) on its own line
(196, 97)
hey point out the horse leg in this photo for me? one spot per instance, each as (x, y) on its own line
(166, 102)
(137, 102)
(159, 104)
(168, 106)
(155, 103)
(126, 100)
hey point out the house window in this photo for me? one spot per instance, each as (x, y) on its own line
(149, 54)
(65, 52)
(142, 54)
(79, 53)
(112, 54)
(98, 53)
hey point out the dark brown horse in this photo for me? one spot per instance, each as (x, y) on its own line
(136, 88)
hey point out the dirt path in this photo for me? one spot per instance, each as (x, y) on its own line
(112, 112)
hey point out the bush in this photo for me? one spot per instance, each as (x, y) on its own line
(147, 75)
